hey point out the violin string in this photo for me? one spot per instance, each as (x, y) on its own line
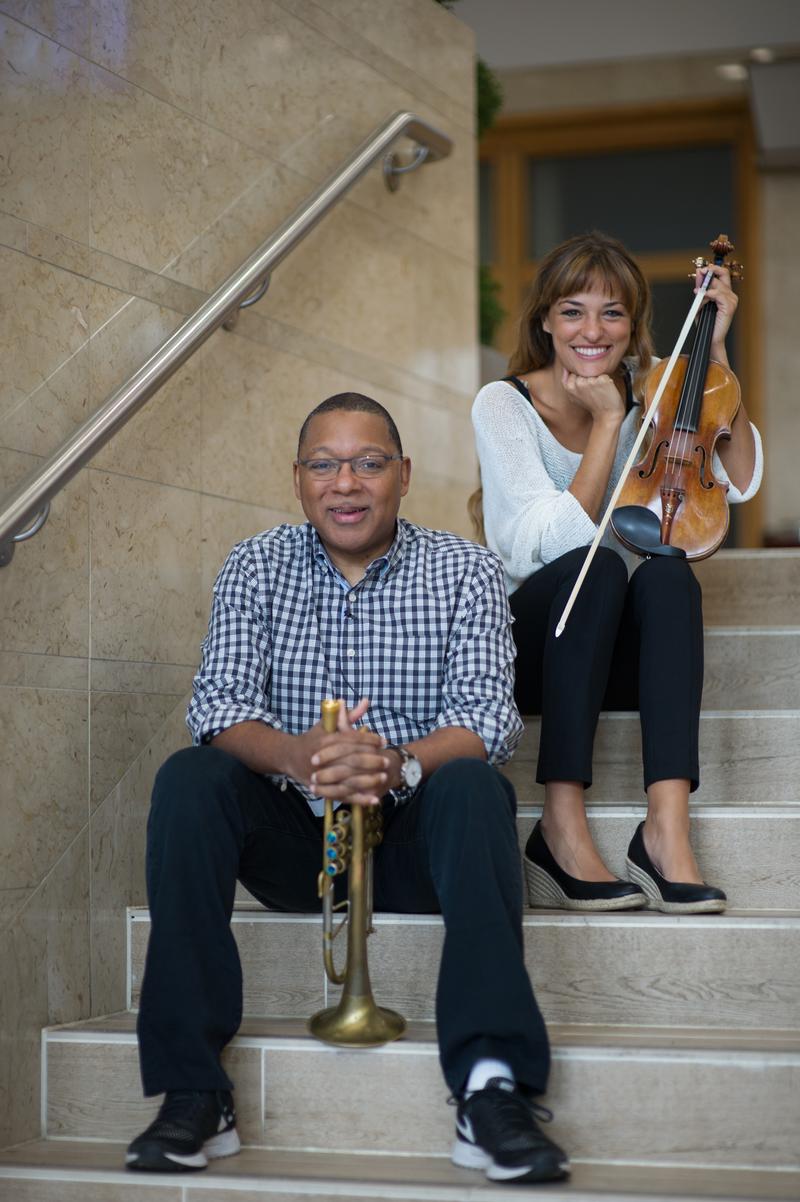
(681, 436)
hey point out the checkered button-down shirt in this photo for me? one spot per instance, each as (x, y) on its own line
(425, 635)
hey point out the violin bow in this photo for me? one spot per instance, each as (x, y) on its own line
(629, 462)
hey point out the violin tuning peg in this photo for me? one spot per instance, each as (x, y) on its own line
(736, 270)
(699, 263)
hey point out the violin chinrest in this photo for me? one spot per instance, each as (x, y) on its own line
(639, 528)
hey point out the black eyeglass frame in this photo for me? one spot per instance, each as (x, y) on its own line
(352, 460)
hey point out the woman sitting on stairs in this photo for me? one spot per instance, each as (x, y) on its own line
(552, 439)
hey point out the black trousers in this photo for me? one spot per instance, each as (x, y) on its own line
(634, 644)
(453, 848)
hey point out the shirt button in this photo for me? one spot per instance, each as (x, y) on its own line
(351, 596)
(350, 652)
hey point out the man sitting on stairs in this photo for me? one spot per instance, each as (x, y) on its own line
(355, 603)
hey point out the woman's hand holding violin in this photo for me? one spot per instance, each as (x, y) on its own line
(720, 291)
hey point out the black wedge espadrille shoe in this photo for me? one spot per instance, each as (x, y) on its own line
(671, 897)
(552, 888)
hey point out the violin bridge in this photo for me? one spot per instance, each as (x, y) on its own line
(677, 461)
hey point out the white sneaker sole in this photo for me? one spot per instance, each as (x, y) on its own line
(470, 1156)
(226, 1143)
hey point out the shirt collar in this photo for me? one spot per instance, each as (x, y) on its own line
(379, 567)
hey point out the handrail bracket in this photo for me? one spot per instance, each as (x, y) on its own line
(259, 292)
(393, 168)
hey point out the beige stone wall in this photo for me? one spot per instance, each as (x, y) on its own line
(663, 79)
(145, 149)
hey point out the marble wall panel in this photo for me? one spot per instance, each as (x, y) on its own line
(13, 232)
(121, 725)
(445, 334)
(43, 671)
(45, 979)
(43, 780)
(440, 505)
(351, 284)
(226, 523)
(162, 442)
(383, 60)
(11, 902)
(44, 323)
(67, 22)
(146, 571)
(128, 676)
(44, 592)
(117, 867)
(443, 55)
(49, 323)
(270, 78)
(268, 192)
(255, 400)
(159, 177)
(45, 117)
(154, 45)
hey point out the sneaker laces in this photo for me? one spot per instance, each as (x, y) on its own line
(543, 1114)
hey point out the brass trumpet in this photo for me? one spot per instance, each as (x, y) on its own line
(349, 836)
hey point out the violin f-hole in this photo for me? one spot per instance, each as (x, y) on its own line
(645, 473)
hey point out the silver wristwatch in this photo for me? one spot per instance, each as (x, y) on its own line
(410, 773)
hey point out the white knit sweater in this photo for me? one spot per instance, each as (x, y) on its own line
(530, 516)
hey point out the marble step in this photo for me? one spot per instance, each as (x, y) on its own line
(746, 756)
(78, 1171)
(726, 970)
(751, 586)
(668, 1096)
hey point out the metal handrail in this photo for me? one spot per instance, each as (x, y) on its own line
(35, 491)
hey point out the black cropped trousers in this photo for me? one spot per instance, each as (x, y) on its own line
(628, 644)
(453, 849)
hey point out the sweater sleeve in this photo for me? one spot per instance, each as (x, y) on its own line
(735, 496)
(529, 521)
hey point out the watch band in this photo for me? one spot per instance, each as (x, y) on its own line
(406, 790)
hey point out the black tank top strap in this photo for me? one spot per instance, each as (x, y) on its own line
(520, 386)
(627, 375)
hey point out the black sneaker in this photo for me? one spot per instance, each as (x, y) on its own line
(496, 1131)
(192, 1127)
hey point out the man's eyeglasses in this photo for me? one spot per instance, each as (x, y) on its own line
(364, 466)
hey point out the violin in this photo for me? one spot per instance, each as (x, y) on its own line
(670, 502)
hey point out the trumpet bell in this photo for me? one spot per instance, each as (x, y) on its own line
(356, 1022)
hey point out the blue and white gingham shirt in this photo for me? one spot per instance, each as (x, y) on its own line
(426, 635)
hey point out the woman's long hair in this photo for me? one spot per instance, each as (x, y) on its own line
(575, 266)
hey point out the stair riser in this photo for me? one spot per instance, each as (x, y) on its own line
(625, 969)
(669, 1108)
(752, 670)
(743, 759)
(741, 588)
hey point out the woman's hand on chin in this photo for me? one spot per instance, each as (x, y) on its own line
(598, 395)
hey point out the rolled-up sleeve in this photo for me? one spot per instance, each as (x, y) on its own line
(478, 684)
(735, 495)
(232, 682)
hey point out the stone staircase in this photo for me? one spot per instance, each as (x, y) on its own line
(676, 1071)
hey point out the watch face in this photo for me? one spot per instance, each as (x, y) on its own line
(412, 772)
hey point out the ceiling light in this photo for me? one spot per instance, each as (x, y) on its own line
(734, 71)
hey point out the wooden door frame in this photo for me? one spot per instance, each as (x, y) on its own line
(721, 121)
